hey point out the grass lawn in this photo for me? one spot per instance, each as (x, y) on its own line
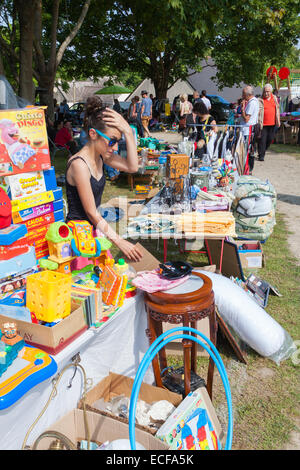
(265, 395)
(286, 148)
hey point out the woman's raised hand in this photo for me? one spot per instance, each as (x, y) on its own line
(114, 119)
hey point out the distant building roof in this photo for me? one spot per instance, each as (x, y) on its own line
(204, 81)
(79, 91)
(197, 81)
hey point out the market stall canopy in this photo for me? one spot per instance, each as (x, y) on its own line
(113, 90)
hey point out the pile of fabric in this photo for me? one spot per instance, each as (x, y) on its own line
(216, 223)
(254, 208)
(213, 201)
(151, 224)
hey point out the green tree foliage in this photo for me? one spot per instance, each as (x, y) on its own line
(252, 36)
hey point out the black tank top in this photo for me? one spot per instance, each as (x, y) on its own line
(75, 207)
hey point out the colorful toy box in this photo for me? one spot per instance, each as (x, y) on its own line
(171, 431)
(23, 141)
(38, 211)
(18, 264)
(28, 202)
(27, 184)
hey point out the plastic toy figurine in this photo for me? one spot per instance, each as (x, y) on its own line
(83, 243)
(10, 335)
(59, 237)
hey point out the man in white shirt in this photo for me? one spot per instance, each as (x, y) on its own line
(250, 109)
(205, 100)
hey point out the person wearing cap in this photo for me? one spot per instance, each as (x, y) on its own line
(146, 112)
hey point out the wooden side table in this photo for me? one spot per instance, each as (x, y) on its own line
(183, 308)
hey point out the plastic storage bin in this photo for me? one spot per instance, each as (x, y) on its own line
(48, 295)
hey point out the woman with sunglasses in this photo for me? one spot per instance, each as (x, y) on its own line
(85, 179)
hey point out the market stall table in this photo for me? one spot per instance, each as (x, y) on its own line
(146, 176)
(118, 346)
(165, 236)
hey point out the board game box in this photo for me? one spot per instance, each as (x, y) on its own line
(23, 141)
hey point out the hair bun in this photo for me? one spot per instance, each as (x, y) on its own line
(93, 116)
(93, 105)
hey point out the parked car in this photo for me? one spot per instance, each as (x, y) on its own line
(220, 108)
(75, 111)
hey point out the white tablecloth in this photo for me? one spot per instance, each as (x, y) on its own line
(117, 347)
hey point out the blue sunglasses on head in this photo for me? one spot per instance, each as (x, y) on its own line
(111, 142)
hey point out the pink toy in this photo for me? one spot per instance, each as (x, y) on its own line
(151, 281)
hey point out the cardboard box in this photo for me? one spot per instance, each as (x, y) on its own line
(250, 253)
(115, 385)
(101, 428)
(52, 339)
(23, 141)
(147, 263)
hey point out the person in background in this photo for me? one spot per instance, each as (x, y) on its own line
(249, 118)
(238, 111)
(63, 110)
(85, 178)
(64, 137)
(269, 120)
(231, 117)
(186, 108)
(205, 100)
(191, 130)
(131, 117)
(137, 112)
(206, 125)
(117, 106)
(146, 112)
(196, 96)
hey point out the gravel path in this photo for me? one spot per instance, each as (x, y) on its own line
(283, 171)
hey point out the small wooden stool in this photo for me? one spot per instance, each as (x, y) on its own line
(184, 309)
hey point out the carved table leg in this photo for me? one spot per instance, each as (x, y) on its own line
(152, 338)
(162, 353)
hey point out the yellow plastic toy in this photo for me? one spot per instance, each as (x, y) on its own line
(48, 295)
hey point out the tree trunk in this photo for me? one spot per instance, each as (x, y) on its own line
(46, 69)
(161, 87)
(2, 71)
(46, 84)
(160, 77)
(26, 13)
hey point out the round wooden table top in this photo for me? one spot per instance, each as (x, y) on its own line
(188, 292)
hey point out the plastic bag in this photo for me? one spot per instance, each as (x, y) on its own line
(250, 321)
(8, 98)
